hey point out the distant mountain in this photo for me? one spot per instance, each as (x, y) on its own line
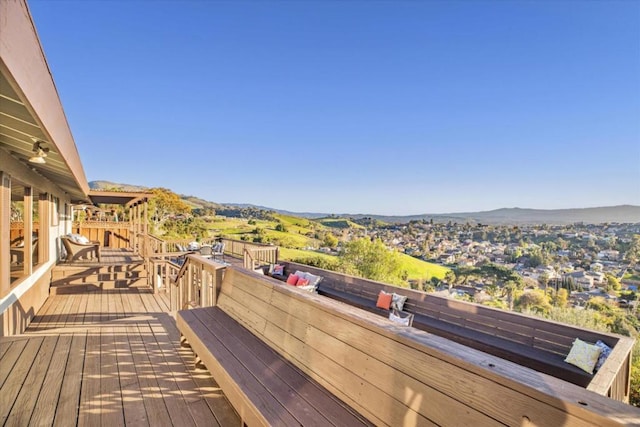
(622, 213)
(308, 215)
(108, 185)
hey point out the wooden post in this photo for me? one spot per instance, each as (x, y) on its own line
(44, 208)
(5, 227)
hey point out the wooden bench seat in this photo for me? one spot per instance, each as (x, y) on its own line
(247, 369)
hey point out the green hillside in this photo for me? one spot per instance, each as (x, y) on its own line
(419, 269)
(416, 268)
(338, 223)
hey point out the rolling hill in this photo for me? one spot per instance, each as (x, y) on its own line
(622, 213)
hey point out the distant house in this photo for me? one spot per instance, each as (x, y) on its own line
(609, 254)
(582, 279)
(447, 258)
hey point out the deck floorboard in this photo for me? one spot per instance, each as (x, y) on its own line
(110, 357)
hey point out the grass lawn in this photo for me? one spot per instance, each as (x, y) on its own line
(419, 269)
(290, 254)
(631, 276)
(338, 223)
(416, 268)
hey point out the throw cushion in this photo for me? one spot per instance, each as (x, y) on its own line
(83, 240)
(384, 300)
(292, 279)
(397, 301)
(302, 282)
(278, 270)
(583, 355)
(404, 321)
(308, 288)
(313, 279)
(604, 353)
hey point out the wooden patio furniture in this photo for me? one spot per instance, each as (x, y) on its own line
(218, 252)
(76, 251)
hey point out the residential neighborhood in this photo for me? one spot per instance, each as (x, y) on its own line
(579, 256)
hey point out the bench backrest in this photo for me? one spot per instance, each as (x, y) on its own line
(552, 337)
(402, 376)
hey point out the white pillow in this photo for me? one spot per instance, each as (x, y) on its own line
(83, 240)
(308, 288)
(313, 279)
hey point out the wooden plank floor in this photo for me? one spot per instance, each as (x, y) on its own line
(106, 358)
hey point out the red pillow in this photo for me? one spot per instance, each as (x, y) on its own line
(384, 300)
(292, 279)
(302, 282)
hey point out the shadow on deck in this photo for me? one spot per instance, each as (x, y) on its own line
(111, 357)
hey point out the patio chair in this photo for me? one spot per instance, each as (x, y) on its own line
(206, 251)
(218, 251)
(76, 250)
(17, 252)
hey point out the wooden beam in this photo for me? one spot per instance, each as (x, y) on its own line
(5, 226)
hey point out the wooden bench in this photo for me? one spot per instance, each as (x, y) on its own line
(284, 342)
(529, 341)
(264, 387)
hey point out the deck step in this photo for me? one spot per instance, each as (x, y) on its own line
(68, 279)
(61, 271)
(99, 277)
(95, 286)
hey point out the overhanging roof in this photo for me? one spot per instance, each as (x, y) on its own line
(118, 197)
(30, 108)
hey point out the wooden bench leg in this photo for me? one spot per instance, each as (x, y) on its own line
(184, 342)
(199, 364)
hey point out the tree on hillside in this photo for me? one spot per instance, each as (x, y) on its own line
(372, 260)
(450, 278)
(465, 273)
(613, 284)
(561, 298)
(633, 252)
(511, 290)
(330, 241)
(535, 300)
(500, 274)
(165, 204)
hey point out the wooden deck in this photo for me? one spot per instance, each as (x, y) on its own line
(106, 358)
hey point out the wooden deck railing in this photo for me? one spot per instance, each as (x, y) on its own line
(237, 247)
(256, 257)
(196, 283)
(110, 234)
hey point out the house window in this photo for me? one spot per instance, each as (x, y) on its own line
(55, 211)
(28, 230)
(17, 230)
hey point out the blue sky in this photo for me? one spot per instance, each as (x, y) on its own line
(355, 107)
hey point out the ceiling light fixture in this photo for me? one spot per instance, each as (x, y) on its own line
(39, 153)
